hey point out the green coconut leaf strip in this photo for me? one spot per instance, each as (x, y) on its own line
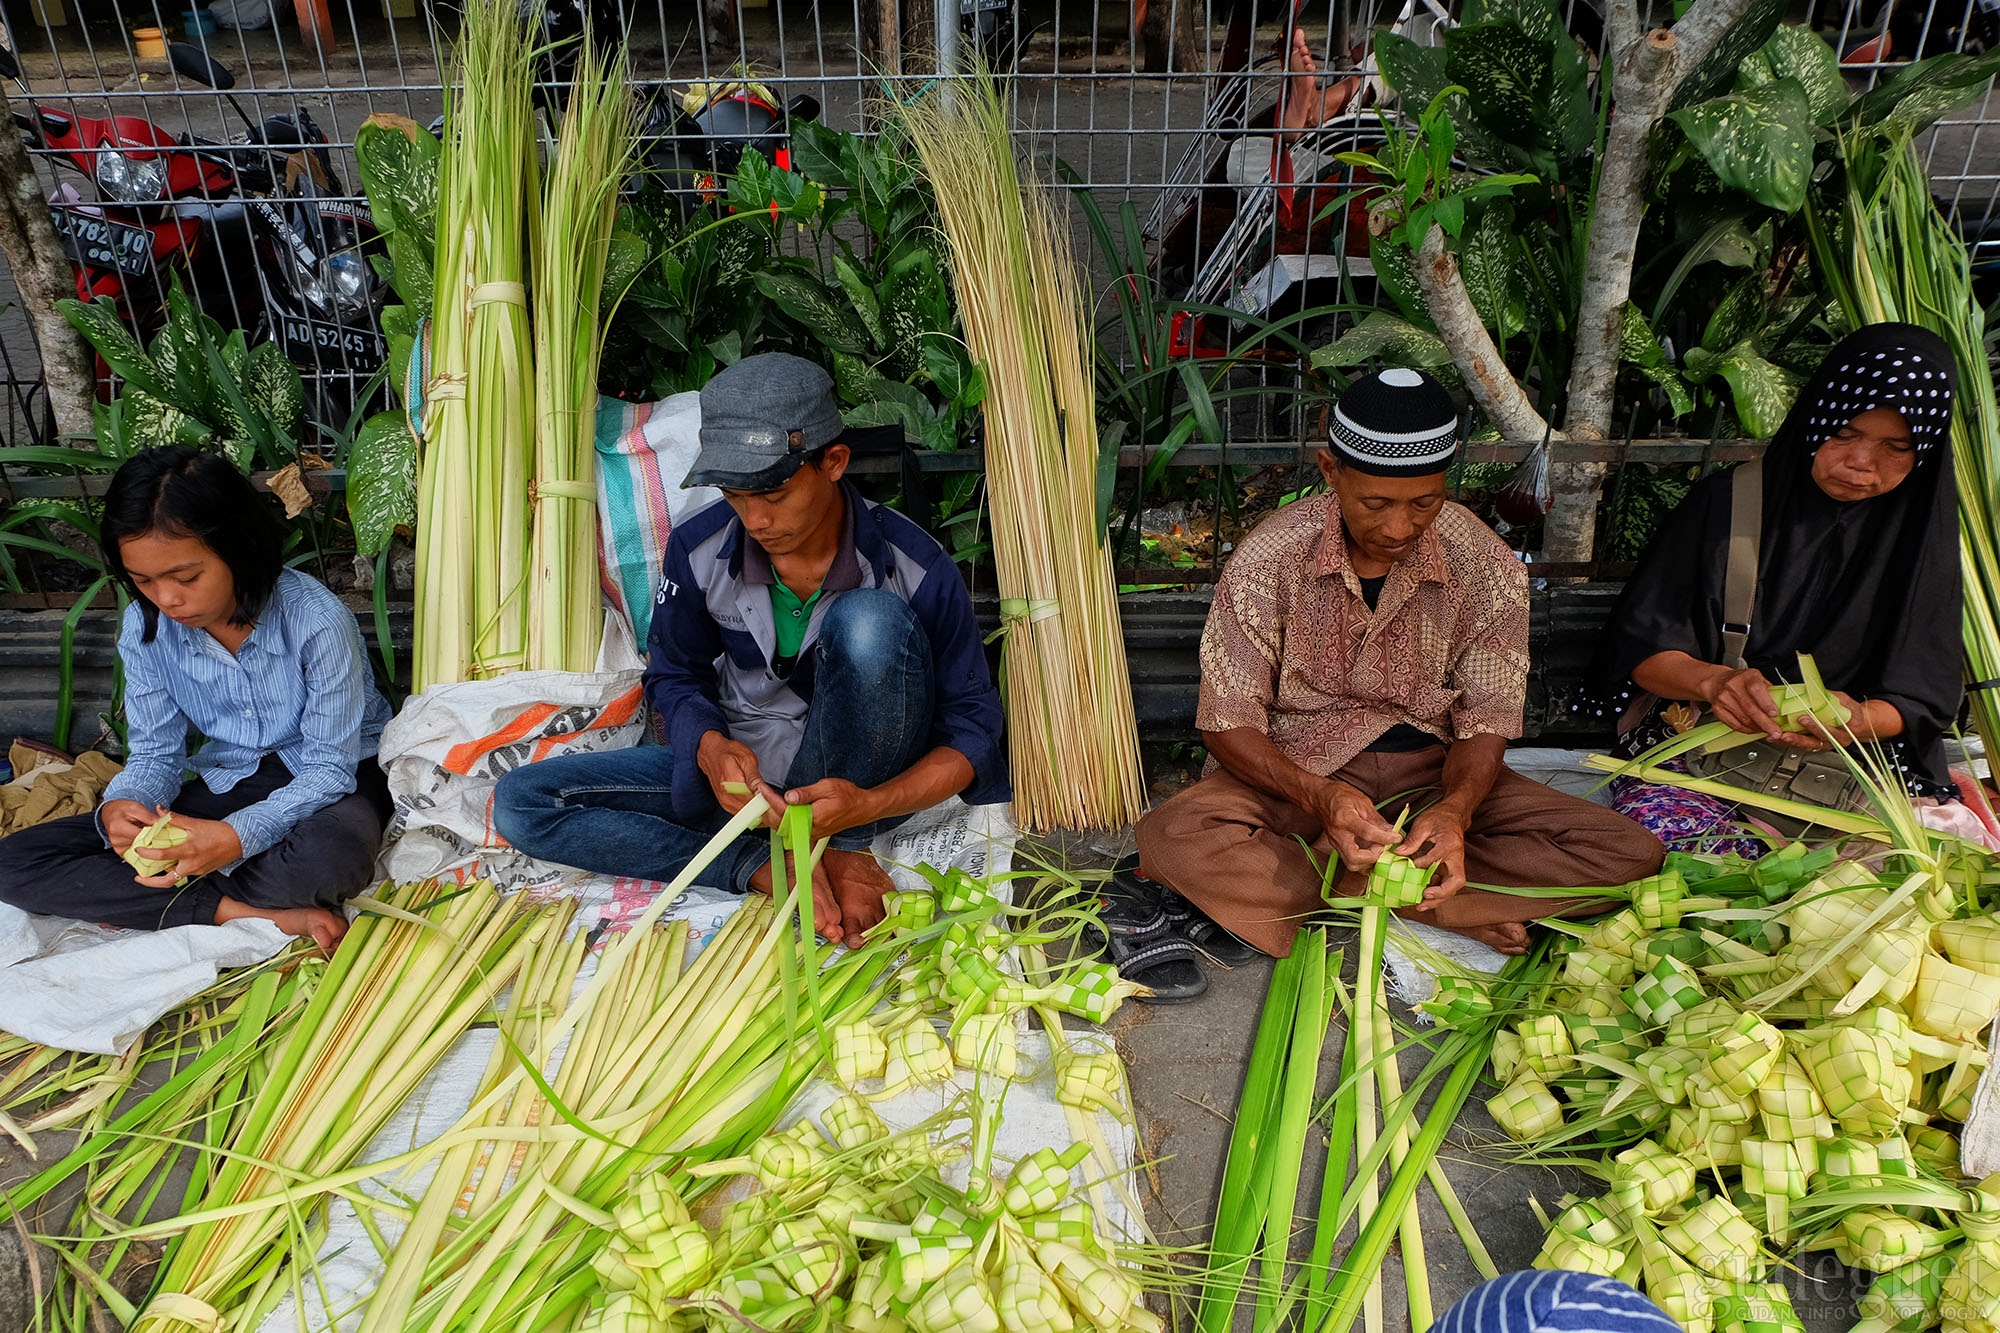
(1288, 1147)
(1239, 1213)
(1840, 820)
(1339, 1154)
(1361, 1269)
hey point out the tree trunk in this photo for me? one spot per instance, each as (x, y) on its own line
(882, 36)
(1167, 36)
(1492, 386)
(43, 275)
(1648, 68)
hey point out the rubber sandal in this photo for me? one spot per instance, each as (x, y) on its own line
(1218, 944)
(1164, 963)
(1199, 928)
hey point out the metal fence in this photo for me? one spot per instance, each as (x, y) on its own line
(1130, 96)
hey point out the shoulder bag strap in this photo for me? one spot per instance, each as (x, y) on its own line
(1739, 583)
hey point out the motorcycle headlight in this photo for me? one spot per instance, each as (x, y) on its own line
(129, 180)
(344, 276)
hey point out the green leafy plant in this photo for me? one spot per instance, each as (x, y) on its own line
(870, 302)
(1418, 167)
(195, 385)
(1154, 397)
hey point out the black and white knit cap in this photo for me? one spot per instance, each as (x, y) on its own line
(1395, 423)
(1894, 378)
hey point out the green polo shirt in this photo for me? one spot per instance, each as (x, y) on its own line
(791, 616)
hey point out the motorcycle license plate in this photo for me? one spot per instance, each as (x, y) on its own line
(308, 340)
(98, 242)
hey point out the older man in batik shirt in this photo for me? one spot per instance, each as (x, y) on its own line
(1367, 654)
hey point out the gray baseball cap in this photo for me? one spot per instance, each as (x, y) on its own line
(759, 420)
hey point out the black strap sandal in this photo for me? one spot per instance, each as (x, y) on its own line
(1217, 944)
(1142, 944)
(1184, 918)
(1162, 962)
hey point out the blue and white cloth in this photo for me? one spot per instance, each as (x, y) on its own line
(299, 687)
(1554, 1301)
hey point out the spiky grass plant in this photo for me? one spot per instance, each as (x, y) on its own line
(1072, 735)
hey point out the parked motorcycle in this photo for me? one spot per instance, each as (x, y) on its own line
(161, 207)
(320, 297)
(694, 147)
(691, 138)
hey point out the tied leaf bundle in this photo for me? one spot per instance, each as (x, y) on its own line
(162, 832)
(594, 153)
(473, 525)
(1073, 740)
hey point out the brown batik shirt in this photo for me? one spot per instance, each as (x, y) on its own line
(1292, 650)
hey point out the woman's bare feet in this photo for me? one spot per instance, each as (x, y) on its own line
(1506, 936)
(322, 927)
(858, 885)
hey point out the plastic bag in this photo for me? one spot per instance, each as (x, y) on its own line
(451, 745)
(1528, 494)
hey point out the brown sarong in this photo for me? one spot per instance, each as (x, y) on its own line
(1236, 853)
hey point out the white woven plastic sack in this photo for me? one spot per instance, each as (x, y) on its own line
(449, 747)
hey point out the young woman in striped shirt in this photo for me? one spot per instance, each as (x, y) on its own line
(252, 716)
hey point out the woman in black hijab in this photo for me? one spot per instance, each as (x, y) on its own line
(1858, 565)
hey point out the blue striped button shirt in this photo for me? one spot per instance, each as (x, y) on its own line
(1554, 1301)
(299, 687)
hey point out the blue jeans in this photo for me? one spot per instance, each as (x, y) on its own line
(614, 813)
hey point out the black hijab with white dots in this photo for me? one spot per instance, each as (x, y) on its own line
(1870, 587)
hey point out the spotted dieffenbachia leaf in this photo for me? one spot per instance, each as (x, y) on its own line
(381, 482)
(1759, 142)
(1761, 392)
(1796, 52)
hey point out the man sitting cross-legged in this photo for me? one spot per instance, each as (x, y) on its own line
(807, 645)
(1370, 645)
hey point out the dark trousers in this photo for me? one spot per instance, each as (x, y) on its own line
(63, 868)
(613, 813)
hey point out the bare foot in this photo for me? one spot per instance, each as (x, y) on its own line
(858, 884)
(826, 908)
(1506, 936)
(322, 927)
(1304, 104)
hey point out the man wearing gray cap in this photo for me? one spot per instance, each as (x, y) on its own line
(807, 645)
(1371, 645)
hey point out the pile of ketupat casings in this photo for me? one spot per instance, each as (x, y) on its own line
(617, 1105)
(1768, 1058)
(1763, 1058)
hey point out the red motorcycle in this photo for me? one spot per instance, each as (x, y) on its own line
(162, 206)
